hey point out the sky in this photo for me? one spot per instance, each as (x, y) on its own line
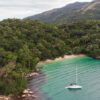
(24, 8)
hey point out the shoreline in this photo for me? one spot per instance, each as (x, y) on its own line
(60, 59)
(48, 61)
(34, 95)
(37, 74)
(33, 75)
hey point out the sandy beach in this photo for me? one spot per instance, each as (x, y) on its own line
(59, 59)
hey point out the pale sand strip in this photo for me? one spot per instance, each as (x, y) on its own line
(59, 59)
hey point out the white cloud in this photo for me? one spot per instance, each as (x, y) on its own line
(23, 8)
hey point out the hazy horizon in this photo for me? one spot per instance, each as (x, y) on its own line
(24, 8)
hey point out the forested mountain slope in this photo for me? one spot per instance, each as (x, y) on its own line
(23, 43)
(70, 13)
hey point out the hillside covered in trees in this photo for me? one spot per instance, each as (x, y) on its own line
(74, 12)
(23, 43)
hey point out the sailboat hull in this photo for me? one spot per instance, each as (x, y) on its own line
(74, 87)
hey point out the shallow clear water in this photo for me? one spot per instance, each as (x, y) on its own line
(60, 74)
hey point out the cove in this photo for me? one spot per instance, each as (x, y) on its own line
(57, 75)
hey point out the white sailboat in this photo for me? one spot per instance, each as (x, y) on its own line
(75, 85)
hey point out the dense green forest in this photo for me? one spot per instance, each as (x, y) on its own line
(23, 43)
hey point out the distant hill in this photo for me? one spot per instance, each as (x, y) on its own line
(71, 13)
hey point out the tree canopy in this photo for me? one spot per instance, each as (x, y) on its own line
(23, 43)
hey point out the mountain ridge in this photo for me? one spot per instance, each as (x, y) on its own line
(70, 13)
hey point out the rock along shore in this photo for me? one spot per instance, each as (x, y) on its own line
(27, 93)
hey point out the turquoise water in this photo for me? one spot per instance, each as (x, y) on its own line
(60, 74)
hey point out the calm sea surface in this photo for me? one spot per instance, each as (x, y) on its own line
(60, 74)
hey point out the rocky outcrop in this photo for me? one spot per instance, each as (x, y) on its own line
(32, 75)
(98, 57)
(28, 95)
(5, 98)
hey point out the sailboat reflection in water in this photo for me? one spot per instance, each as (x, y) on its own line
(74, 86)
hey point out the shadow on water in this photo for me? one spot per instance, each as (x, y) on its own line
(51, 83)
(35, 85)
(74, 90)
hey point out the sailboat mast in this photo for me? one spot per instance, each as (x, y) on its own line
(76, 75)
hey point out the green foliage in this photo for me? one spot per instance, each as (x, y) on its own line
(14, 83)
(84, 37)
(23, 43)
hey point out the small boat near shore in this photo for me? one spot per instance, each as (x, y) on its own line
(74, 86)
